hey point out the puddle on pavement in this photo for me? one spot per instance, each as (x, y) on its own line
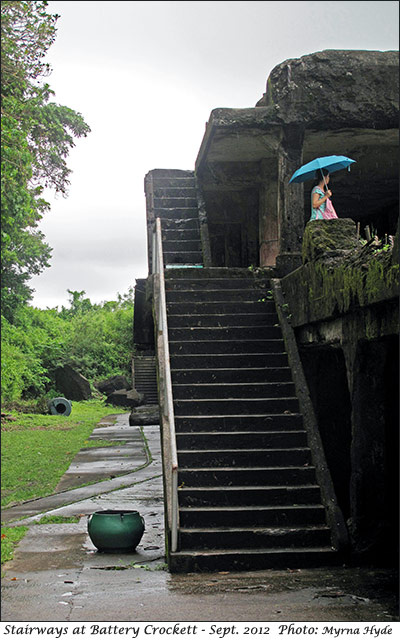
(355, 584)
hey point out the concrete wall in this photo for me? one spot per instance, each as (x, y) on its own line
(347, 334)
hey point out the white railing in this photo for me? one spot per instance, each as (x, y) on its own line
(170, 455)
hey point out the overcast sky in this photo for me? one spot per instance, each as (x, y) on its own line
(145, 76)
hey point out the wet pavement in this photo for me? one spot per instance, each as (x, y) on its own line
(57, 575)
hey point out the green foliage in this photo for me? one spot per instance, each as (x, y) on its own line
(21, 367)
(37, 136)
(101, 344)
(38, 449)
(96, 339)
(9, 539)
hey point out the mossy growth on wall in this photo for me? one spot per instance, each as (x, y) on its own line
(340, 273)
(322, 237)
(344, 287)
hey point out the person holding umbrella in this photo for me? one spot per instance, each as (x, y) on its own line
(321, 205)
(320, 169)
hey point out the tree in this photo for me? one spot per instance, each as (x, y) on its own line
(37, 136)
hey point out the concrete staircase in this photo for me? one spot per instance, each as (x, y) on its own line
(175, 203)
(145, 378)
(248, 496)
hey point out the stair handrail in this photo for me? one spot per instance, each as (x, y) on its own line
(165, 387)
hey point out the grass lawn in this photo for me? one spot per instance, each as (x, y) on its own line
(36, 450)
(9, 539)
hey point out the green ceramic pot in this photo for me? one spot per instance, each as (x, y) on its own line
(113, 531)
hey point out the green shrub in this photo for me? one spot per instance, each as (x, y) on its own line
(96, 340)
(22, 369)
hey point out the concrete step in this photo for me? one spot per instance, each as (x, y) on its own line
(204, 283)
(183, 245)
(204, 407)
(159, 174)
(254, 457)
(242, 476)
(172, 202)
(242, 559)
(223, 391)
(220, 307)
(175, 212)
(219, 273)
(251, 516)
(226, 360)
(221, 320)
(239, 295)
(229, 375)
(255, 537)
(249, 496)
(182, 224)
(183, 258)
(174, 182)
(175, 192)
(231, 333)
(241, 439)
(280, 422)
(223, 347)
(177, 234)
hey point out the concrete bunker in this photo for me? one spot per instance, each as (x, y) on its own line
(330, 102)
(342, 296)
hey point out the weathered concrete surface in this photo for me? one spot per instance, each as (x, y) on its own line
(365, 85)
(57, 575)
(95, 464)
(93, 594)
(145, 415)
(340, 276)
(343, 306)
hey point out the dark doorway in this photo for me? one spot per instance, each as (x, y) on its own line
(233, 228)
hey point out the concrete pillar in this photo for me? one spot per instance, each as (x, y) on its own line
(268, 215)
(290, 200)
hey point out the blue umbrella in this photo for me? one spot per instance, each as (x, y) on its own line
(331, 163)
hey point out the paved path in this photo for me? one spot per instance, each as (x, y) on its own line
(58, 576)
(134, 453)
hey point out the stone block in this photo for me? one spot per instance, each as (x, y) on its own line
(72, 384)
(125, 398)
(145, 416)
(364, 84)
(324, 239)
(117, 382)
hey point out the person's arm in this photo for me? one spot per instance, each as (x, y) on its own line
(317, 199)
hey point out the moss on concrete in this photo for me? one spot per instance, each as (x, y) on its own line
(339, 273)
(322, 237)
